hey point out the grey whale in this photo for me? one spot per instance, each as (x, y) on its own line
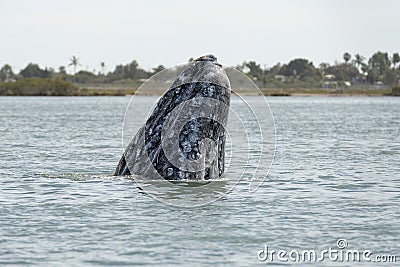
(184, 136)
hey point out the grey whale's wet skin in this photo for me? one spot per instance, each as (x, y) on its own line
(184, 137)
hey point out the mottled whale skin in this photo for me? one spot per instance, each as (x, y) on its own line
(184, 137)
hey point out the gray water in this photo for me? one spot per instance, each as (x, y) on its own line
(336, 175)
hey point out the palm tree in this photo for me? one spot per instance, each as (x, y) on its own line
(395, 59)
(74, 62)
(358, 60)
(346, 57)
(102, 65)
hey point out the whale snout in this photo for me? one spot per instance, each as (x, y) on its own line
(211, 58)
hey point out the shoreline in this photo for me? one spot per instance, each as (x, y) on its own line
(60, 88)
(242, 94)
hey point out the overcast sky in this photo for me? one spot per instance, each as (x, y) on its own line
(169, 32)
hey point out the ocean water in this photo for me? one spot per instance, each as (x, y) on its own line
(336, 176)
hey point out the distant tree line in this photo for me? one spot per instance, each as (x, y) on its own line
(380, 68)
(130, 71)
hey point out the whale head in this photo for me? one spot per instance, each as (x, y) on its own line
(184, 136)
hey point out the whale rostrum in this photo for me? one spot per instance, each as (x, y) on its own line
(184, 136)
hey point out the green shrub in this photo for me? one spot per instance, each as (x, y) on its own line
(396, 90)
(39, 87)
